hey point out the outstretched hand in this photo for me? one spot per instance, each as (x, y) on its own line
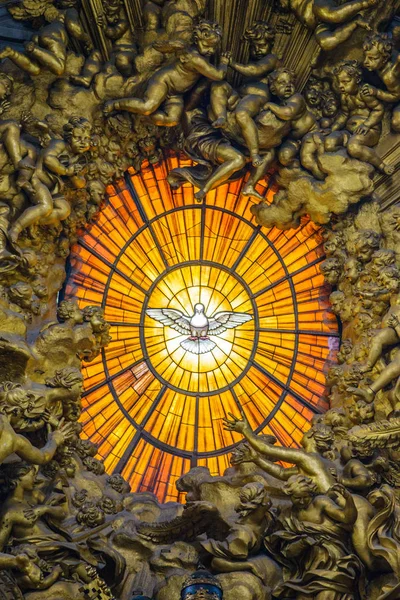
(239, 425)
(63, 433)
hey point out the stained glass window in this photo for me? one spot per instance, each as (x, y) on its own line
(155, 408)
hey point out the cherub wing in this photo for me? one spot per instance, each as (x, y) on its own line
(170, 317)
(170, 46)
(226, 320)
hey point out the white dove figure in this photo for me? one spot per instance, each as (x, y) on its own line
(199, 326)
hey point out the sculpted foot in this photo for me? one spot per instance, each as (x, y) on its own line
(249, 190)
(387, 169)
(219, 123)
(6, 52)
(256, 160)
(200, 195)
(109, 107)
(366, 394)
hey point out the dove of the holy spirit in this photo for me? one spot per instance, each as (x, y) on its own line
(198, 326)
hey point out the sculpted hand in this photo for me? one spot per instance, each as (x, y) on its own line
(29, 568)
(338, 489)
(5, 105)
(243, 454)
(226, 58)
(284, 27)
(393, 321)
(100, 21)
(50, 419)
(64, 432)
(368, 90)
(33, 514)
(362, 130)
(238, 425)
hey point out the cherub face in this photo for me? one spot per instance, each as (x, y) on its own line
(373, 59)
(80, 140)
(283, 86)
(260, 48)
(330, 106)
(4, 90)
(346, 83)
(27, 481)
(208, 44)
(312, 96)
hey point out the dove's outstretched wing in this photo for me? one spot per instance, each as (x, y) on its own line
(226, 320)
(170, 317)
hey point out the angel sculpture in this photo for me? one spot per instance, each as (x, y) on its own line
(198, 326)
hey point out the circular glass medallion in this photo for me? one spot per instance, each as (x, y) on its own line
(199, 331)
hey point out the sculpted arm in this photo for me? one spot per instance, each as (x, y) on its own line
(5, 529)
(275, 470)
(377, 112)
(258, 69)
(116, 32)
(24, 449)
(51, 161)
(202, 65)
(346, 514)
(341, 119)
(291, 110)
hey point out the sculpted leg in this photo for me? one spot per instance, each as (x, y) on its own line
(61, 210)
(21, 60)
(155, 95)
(245, 111)
(328, 12)
(171, 115)
(309, 155)
(232, 161)
(396, 119)
(220, 94)
(44, 205)
(53, 58)
(329, 40)
(10, 136)
(384, 338)
(256, 174)
(357, 148)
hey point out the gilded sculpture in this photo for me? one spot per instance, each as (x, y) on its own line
(96, 91)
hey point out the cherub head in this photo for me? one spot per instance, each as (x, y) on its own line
(378, 50)
(261, 37)
(77, 134)
(348, 76)
(95, 315)
(319, 438)
(15, 403)
(68, 378)
(17, 475)
(301, 490)
(389, 278)
(112, 10)
(313, 92)
(330, 104)
(366, 242)
(252, 496)
(207, 36)
(337, 300)
(282, 83)
(68, 310)
(330, 269)
(6, 86)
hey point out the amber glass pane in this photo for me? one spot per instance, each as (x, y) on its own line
(155, 408)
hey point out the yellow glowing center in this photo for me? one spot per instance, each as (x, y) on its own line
(218, 291)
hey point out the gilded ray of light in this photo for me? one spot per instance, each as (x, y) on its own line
(156, 409)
